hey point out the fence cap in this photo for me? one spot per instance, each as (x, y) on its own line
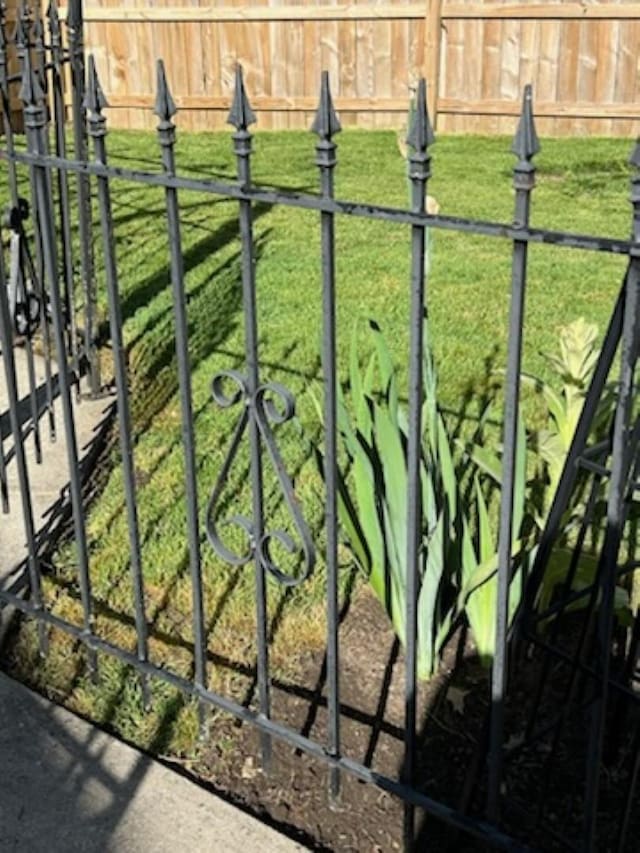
(420, 134)
(31, 93)
(526, 143)
(325, 123)
(94, 100)
(74, 14)
(240, 115)
(165, 107)
(53, 15)
(21, 31)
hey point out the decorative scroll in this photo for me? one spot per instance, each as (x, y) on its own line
(271, 403)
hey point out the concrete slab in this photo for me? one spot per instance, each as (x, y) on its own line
(69, 787)
(48, 480)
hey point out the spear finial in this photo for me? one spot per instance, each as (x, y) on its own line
(94, 100)
(325, 123)
(21, 31)
(38, 30)
(240, 115)
(53, 16)
(3, 16)
(165, 107)
(420, 135)
(526, 143)
(74, 15)
(31, 93)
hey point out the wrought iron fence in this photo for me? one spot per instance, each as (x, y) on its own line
(45, 292)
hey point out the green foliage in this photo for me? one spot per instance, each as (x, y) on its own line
(457, 568)
(573, 365)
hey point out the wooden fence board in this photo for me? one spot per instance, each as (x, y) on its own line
(583, 59)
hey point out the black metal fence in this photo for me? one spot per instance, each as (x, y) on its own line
(48, 292)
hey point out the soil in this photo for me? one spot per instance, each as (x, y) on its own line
(293, 794)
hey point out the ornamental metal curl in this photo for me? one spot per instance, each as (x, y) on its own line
(225, 401)
(270, 403)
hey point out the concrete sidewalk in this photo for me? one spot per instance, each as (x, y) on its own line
(67, 786)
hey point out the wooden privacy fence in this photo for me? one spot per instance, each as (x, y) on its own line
(582, 58)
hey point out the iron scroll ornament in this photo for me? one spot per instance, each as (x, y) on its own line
(270, 403)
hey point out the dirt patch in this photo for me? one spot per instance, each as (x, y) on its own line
(295, 790)
(543, 791)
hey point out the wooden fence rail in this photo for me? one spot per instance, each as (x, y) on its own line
(583, 59)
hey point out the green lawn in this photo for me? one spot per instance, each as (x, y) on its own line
(583, 186)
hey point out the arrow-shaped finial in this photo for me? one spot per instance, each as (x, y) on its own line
(74, 15)
(420, 135)
(53, 16)
(526, 143)
(94, 100)
(38, 30)
(240, 115)
(3, 14)
(325, 123)
(21, 32)
(165, 107)
(31, 93)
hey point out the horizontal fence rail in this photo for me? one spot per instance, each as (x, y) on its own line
(308, 201)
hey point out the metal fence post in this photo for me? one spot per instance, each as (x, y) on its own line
(165, 109)
(22, 51)
(326, 125)
(525, 146)
(6, 108)
(57, 55)
(95, 102)
(241, 116)
(420, 137)
(75, 30)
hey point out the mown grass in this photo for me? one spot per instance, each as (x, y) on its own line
(583, 186)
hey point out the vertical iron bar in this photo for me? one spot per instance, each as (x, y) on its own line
(326, 125)
(75, 27)
(6, 345)
(34, 113)
(419, 138)
(165, 109)
(241, 116)
(620, 466)
(59, 118)
(22, 52)
(38, 271)
(6, 112)
(525, 146)
(95, 103)
(5, 118)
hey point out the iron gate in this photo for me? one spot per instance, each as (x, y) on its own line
(41, 289)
